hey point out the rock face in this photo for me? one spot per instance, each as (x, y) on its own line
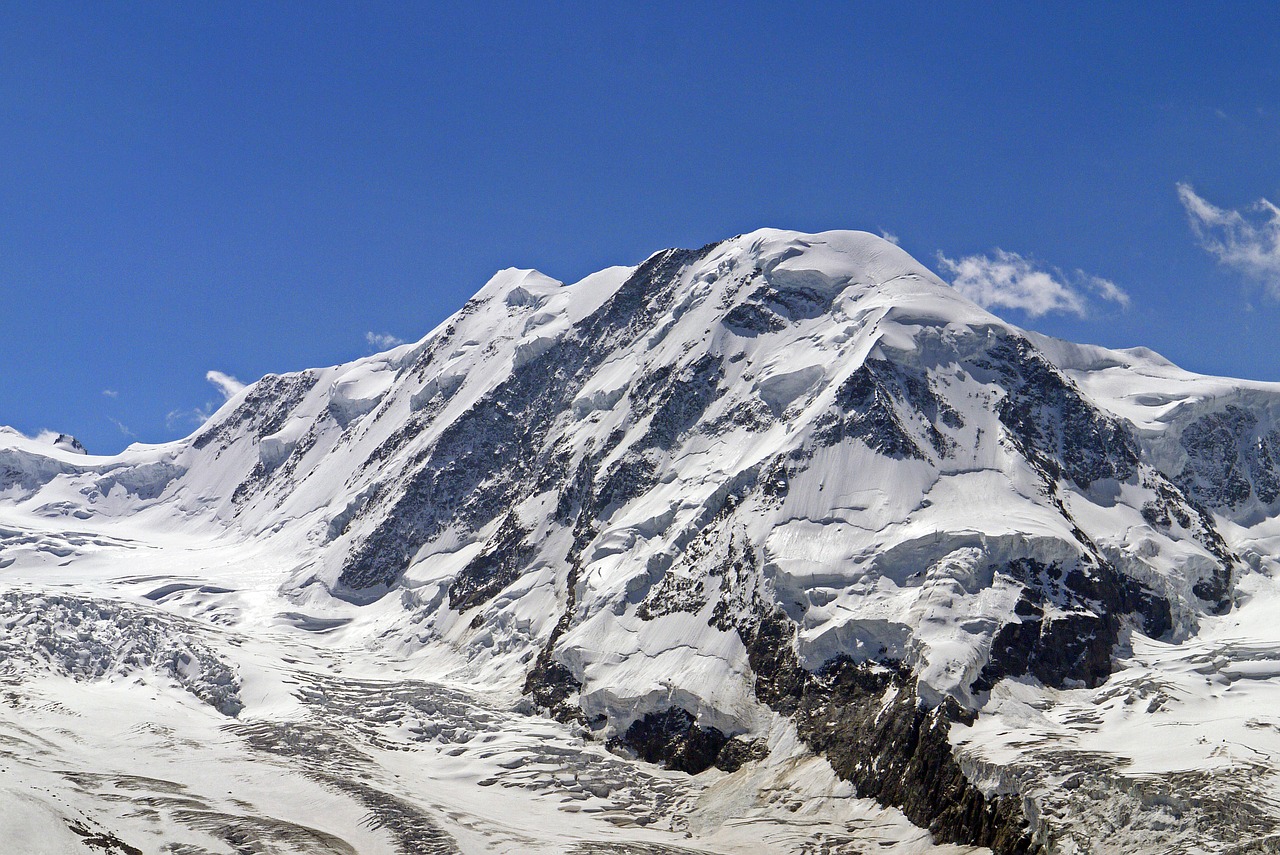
(674, 739)
(867, 719)
(1229, 460)
(781, 480)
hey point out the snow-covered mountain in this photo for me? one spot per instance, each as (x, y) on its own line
(777, 545)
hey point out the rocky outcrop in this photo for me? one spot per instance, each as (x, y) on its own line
(1052, 423)
(1067, 623)
(674, 739)
(867, 720)
(1230, 460)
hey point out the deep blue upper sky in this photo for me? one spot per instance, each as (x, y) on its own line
(253, 188)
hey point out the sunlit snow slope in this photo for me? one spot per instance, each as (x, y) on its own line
(778, 545)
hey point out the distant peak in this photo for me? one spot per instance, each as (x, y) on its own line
(63, 441)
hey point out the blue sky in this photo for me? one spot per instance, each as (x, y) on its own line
(254, 188)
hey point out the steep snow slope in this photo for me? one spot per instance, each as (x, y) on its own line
(782, 496)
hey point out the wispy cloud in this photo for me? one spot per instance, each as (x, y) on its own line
(193, 417)
(123, 428)
(110, 393)
(889, 236)
(382, 341)
(226, 384)
(1247, 241)
(1010, 281)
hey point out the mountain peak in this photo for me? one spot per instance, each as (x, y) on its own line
(519, 287)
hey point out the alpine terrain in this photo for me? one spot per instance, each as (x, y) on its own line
(774, 546)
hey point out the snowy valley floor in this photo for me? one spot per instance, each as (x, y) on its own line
(110, 740)
(117, 735)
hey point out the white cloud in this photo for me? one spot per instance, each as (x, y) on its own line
(195, 416)
(889, 236)
(382, 341)
(1010, 281)
(1104, 288)
(227, 385)
(1247, 241)
(111, 393)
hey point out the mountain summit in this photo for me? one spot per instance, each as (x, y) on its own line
(742, 532)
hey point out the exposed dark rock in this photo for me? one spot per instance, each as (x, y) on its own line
(287, 469)
(1229, 461)
(738, 752)
(251, 485)
(472, 472)
(775, 483)
(496, 566)
(67, 442)
(770, 308)
(1264, 465)
(671, 595)
(103, 841)
(881, 403)
(1172, 505)
(866, 717)
(866, 411)
(868, 722)
(1052, 424)
(1087, 605)
(793, 302)
(932, 408)
(642, 299)
(1215, 473)
(779, 679)
(399, 438)
(576, 492)
(682, 403)
(550, 683)
(631, 476)
(714, 548)
(553, 466)
(674, 739)
(752, 414)
(750, 319)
